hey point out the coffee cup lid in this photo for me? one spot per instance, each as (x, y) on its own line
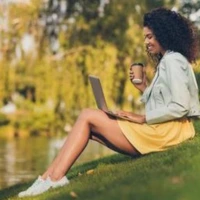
(141, 64)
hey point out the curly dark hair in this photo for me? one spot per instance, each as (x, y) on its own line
(173, 31)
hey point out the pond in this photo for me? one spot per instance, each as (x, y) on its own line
(23, 159)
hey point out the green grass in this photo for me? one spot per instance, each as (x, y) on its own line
(169, 175)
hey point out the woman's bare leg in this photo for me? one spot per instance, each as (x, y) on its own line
(98, 138)
(90, 123)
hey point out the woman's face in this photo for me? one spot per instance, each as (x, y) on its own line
(152, 45)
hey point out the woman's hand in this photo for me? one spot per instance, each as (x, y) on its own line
(140, 86)
(134, 117)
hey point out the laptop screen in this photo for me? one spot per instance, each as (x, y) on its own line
(98, 92)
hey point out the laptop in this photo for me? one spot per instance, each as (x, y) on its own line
(100, 99)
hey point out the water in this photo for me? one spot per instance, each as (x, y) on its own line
(23, 159)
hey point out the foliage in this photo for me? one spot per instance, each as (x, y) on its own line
(33, 118)
(3, 119)
(103, 45)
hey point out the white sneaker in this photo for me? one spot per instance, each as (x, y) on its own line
(29, 190)
(43, 186)
(63, 181)
(47, 184)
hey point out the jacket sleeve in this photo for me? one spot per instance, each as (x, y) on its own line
(177, 81)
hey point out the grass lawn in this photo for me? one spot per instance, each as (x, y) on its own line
(169, 175)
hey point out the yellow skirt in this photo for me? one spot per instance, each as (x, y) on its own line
(157, 137)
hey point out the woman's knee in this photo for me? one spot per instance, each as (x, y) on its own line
(87, 114)
(91, 115)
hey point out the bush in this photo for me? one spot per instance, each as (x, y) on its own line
(3, 119)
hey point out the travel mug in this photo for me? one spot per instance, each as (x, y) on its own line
(137, 69)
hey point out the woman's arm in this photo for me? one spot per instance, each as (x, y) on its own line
(140, 119)
(175, 68)
(142, 86)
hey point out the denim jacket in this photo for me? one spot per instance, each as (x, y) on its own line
(173, 92)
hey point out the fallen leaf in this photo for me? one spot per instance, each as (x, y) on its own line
(176, 180)
(73, 194)
(91, 171)
(79, 174)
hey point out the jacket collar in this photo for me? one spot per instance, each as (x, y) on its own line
(148, 90)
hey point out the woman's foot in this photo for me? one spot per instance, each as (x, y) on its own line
(40, 186)
(28, 191)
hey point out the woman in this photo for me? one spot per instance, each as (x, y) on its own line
(170, 101)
